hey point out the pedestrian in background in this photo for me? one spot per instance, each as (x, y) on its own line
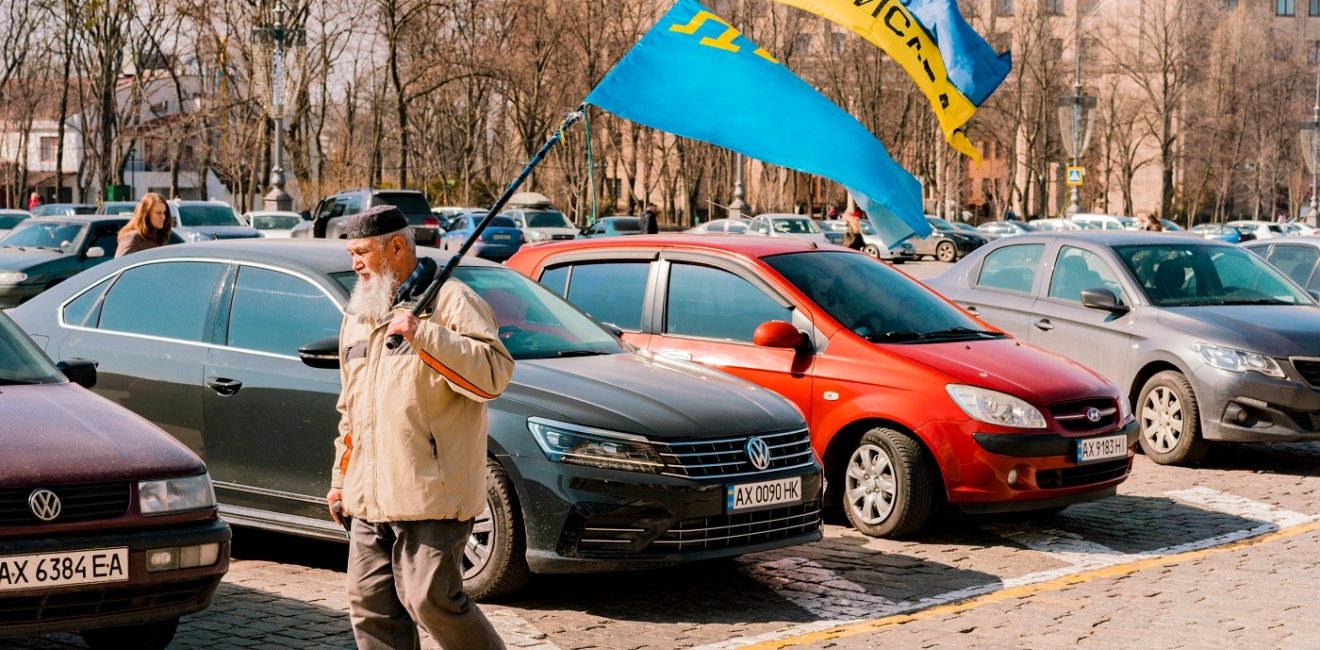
(1151, 223)
(651, 220)
(149, 226)
(34, 201)
(852, 235)
(410, 459)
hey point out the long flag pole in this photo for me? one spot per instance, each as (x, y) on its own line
(450, 266)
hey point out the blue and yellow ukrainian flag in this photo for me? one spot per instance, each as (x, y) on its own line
(695, 76)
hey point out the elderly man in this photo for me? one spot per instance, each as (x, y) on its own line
(410, 461)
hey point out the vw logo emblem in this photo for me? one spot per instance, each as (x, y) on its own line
(758, 452)
(1093, 414)
(44, 504)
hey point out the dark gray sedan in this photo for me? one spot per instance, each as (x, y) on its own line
(601, 457)
(1208, 341)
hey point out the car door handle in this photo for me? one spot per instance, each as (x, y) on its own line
(1044, 324)
(224, 386)
(677, 355)
(971, 309)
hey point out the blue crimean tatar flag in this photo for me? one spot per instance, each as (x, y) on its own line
(695, 76)
(972, 64)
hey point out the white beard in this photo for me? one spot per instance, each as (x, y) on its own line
(374, 296)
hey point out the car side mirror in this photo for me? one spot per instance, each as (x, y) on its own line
(79, 371)
(1314, 294)
(778, 334)
(321, 353)
(95, 251)
(1103, 299)
(613, 329)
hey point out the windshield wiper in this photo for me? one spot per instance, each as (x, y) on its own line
(1257, 301)
(938, 335)
(576, 353)
(14, 246)
(17, 382)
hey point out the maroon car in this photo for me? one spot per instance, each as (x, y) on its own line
(108, 526)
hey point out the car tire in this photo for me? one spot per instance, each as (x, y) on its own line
(1170, 420)
(946, 251)
(887, 485)
(872, 250)
(148, 636)
(495, 558)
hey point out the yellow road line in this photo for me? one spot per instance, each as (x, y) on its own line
(1024, 591)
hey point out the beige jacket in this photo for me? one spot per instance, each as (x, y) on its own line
(415, 416)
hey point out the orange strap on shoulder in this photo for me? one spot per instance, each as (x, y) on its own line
(348, 451)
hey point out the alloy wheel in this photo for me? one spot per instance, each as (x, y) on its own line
(480, 544)
(870, 485)
(1162, 419)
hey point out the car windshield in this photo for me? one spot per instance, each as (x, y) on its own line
(1188, 275)
(939, 224)
(54, 235)
(794, 226)
(119, 207)
(627, 224)
(534, 322)
(20, 361)
(275, 221)
(873, 300)
(8, 221)
(207, 215)
(408, 202)
(548, 220)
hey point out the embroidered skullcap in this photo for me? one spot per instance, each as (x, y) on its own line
(374, 221)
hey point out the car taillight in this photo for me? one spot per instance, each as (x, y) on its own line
(431, 221)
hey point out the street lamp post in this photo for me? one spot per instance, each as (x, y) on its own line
(1311, 151)
(274, 45)
(1075, 116)
(736, 206)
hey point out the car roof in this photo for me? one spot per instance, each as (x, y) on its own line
(1111, 238)
(736, 244)
(80, 218)
(312, 255)
(782, 215)
(1313, 240)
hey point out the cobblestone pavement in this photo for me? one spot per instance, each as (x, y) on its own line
(1219, 556)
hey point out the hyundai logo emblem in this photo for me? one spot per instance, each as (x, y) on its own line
(44, 504)
(758, 452)
(1093, 414)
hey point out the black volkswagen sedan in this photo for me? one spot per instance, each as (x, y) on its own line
(601, 457)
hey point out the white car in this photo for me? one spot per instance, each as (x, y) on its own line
(776, 224)
(272, 223)
(542, 224)
(1107, 221)
(1261, 229)
(1056, 224)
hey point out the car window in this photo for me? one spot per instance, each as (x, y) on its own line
(170, 300)
(1295, 261)
(548, 220)
(21, 362)
(107, 237)
(277, 313)
(207, 215)
(612, 292)
(351, 204)
(1179, 275)
(1011, 268)
(712, 303)
(1078, 269)
(736, 228)
(408, 202)
(274, 221)
(626, 225)
(555, 279)
(85, 310)
(54, 235)
(8, 221)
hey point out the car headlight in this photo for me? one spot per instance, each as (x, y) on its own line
(13, 277)
(1124, 409)
(199, 236)
(994, 407)
(1235, 360)
(534, 235)
(175, 495)
(566, 443)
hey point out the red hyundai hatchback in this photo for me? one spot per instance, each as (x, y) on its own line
(912, 403)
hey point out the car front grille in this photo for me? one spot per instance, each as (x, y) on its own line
(727, 457)
(1305, 420)
(1073, 415)
(1081, 474)
(558, 237)
(614, 535)
(1309, 369)
(83, 502)
(77, 602)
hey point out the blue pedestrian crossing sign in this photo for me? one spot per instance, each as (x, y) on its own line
(1075, 175)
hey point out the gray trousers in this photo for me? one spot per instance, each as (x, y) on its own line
(411, 571)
